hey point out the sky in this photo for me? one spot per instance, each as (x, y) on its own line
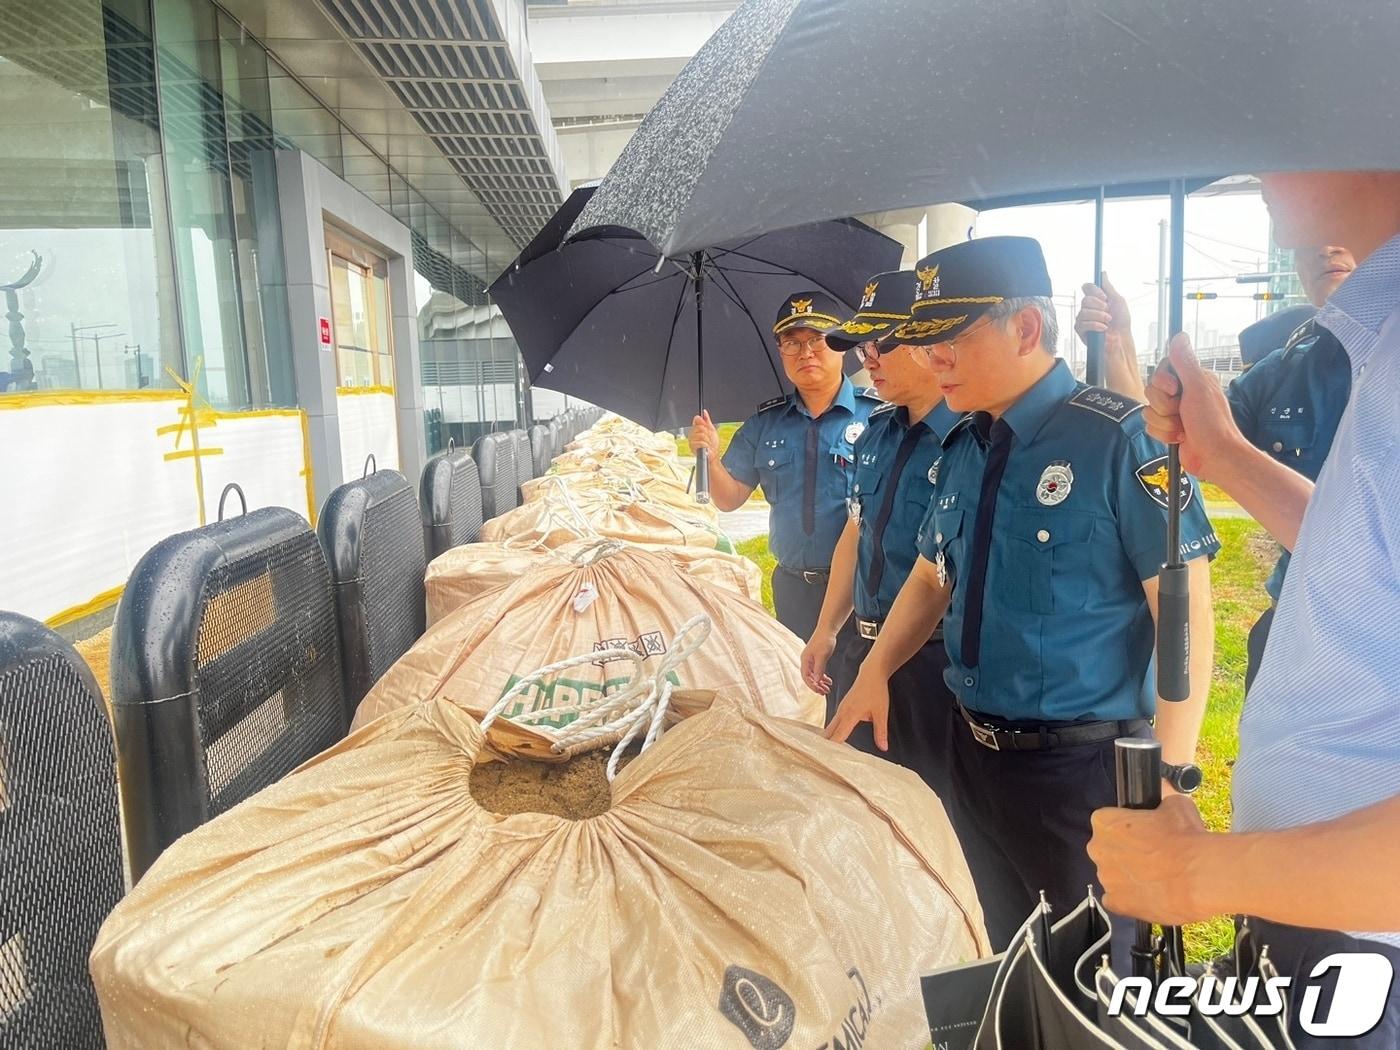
(1226, 235)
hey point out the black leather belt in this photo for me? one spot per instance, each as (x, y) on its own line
(870, 630)
(1002, 737)
(809, 576)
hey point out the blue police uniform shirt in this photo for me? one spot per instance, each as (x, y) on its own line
(806, 467)
(893, 456)
(1080, 522)
(1289, 405)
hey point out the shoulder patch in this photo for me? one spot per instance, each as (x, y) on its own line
(773, 402)
(869, 391)
(1153, 477)
(888, 406)
(1301, 334)
(1106, 403)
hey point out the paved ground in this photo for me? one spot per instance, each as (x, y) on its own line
(748, 521)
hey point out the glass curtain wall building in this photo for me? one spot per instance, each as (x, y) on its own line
(140, 238)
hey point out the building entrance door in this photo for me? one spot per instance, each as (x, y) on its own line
(364, 354)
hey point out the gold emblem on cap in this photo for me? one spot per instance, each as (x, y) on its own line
(928, 280)
(802, 306)
(924, 329)
(869, 296)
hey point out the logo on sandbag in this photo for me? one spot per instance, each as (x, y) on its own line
(644, 645)
(758, 1008)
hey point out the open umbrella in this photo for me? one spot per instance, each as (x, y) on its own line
(606, 317)
(973, 99)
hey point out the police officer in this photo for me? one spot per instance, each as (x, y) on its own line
(1288, 404)
(1040, 552)
(800, 448)
(896, 463)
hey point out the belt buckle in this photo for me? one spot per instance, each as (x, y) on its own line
(984, 735)
(868, 629)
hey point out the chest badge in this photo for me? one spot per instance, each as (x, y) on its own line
(1056, 480)
(853, 431)
(933, 471)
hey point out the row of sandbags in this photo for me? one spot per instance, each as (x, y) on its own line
(745, 883)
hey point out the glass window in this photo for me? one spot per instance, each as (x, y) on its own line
(201, 200)
(302, 122)
(360, 313)
(84, 250)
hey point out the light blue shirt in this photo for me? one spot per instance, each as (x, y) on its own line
(1320, 735)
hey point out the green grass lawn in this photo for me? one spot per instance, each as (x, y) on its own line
(1237, 578)
(726, 435)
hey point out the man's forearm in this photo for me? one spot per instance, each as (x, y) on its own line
(916, 611)
(1121, 372)
(1276, 875)
(727, 491)
(1274, 496)
(1179, 722)
(839, 603)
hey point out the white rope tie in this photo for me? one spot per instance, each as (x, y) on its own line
(642, 702)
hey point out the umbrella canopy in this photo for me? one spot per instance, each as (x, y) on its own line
(596, 318)
(797, 110)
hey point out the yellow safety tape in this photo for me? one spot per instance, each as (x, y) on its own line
(193, 453)
(78, 612)
(306, 470)
(49, 398)
(349, 391)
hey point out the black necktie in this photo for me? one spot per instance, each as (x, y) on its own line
(974, 584)
(901, 457)
(809, 481)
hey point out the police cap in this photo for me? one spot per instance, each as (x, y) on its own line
(955, 286)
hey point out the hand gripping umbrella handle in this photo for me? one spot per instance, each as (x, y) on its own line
(702, 475)
(1138, 768)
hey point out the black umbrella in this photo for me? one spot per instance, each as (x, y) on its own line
(605, 317)
(973, 99)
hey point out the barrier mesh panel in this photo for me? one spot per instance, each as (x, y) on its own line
(60, 852)
(392, 569)
(266, 669)
(465, 502)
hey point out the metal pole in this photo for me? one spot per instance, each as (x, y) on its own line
(77, 364)
(1173, 592)
(1093, 367)
(702, 456)
(1162, 336)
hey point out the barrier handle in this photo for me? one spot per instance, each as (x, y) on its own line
(371, 466)
(232, 487)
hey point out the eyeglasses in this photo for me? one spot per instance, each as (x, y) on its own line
(950, 346)
(797, 347)
(867, 351)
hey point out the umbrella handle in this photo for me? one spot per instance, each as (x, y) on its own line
(702, 475)
(1138, 768)
(1173, 633)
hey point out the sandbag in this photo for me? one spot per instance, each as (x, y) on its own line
(561, 518)
(464, 573)
(621, 459)
(752, 885)
(605, 483)
(630, 596)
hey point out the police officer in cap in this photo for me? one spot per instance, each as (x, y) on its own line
(1288, 404)
(800, 448)
(1040, 552)
(896, 465)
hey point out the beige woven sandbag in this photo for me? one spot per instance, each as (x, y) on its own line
(752, 885)
(462, 574)
(633, 518)
(632, 462)
(631, 596)
(606, 483)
